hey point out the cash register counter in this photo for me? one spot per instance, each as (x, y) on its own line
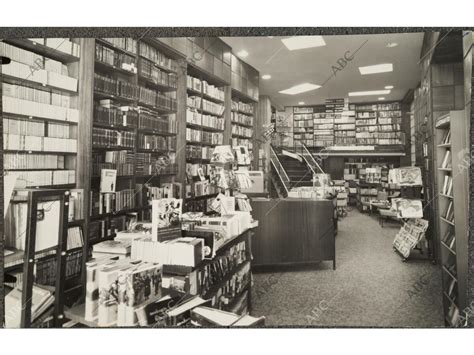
(293, 231)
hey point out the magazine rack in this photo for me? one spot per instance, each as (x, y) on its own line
(34, 197)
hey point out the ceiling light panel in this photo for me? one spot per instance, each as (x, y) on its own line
(369, 93)
(375, 69)
(298, 89)
(302, 42)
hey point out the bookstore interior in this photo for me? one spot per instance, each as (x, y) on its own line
(212, 181)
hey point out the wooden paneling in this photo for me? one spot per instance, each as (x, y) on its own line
(181, 94)
(263, 118)
(293, 231)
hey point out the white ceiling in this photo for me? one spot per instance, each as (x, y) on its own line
(315, 65)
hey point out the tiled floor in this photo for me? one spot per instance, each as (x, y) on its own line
(371, 286)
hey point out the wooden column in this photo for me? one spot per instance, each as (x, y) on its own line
(262, 120)
(85, 100)
(2, 238)
(227, 139)
(181, 97)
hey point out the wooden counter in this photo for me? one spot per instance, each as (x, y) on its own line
(293, 231)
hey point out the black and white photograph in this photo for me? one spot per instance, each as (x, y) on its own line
(303, 178)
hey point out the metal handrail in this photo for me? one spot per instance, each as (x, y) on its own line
(279, 169)
(312, 163)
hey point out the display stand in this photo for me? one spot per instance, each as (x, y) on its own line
(61, 252)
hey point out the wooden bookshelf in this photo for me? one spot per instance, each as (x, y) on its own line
(205, 125)
(140, 118)
(452, 216)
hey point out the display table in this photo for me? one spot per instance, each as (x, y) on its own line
(293, 231)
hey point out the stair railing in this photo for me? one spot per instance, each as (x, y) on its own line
(310, 161)
(280, 170)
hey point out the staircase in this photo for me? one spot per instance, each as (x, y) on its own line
(298, 172)
(288, 172)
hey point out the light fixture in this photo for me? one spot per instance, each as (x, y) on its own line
(302, 42)
(378, 68)
(266, 76)
(270, 36)
(301, 103)
(298, 89)
(392, 44)
(369, 93)
(243, 53)
(389, 87)
(381, 98)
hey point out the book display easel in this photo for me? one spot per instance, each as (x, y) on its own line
(452, 214)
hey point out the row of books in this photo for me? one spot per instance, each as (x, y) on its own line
(149, 119)
(196, 118)
(46, 177)
(157, 57)
(450, 238)
(194, 170)
(376, 107)
(152, 142)
(112, 202)
(148, 70)
(116, 306)
(242, 119)
(446, 163)
(205, 88)
(221, 266)
(37, 74)
(23, 127)
(449, 213)
(242, 131)
(115, 59)
(64, 45)
(115, 116)
(126, 44)
(35, 95)
(32, 143)
(193, 135)
(103, 137)
(111, 86)
(197, 152)
(242, 107)
(242, 142)
(202, 188)
(156, 99)
(31, 60)
(150, 164)
(447, 138)
(123, 169)
(33, 161)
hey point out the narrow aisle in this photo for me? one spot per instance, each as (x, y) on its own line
(370, 287)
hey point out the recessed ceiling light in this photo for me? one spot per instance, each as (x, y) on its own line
(302, 42)
(266, 76)
(378, 68)
(301, 103)
(270, 36)
(381, 98)
(389, 87)
(392, 44)
(243, 53)
(298, 89)
(369, 93)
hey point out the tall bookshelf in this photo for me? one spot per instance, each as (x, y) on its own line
(303, 126)
(205, 125)
(41, 96)
(134, 129)
(245, 97)
(452, 213)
